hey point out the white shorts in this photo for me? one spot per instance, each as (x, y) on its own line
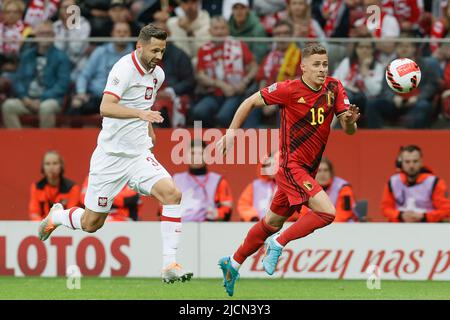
(109, 174)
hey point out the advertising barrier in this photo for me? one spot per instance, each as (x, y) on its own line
(127, 249)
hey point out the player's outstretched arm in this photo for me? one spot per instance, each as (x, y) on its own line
(254, 101)
(110, 107)
(348, 119)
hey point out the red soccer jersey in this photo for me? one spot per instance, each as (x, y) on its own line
(306, 116)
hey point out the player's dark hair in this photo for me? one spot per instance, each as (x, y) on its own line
(151, 31)
(313, 48)
(329, 164)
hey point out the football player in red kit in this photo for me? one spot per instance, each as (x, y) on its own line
(307, 107)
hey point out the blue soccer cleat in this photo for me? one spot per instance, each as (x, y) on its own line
(273, 253)
(230, 275)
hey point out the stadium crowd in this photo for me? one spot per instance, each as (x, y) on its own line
(59, 82)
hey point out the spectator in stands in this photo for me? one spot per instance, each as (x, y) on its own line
(281, 63)
(12, 28)
(414, 108)
(125, 207)
(42, 80)
(53, 188)
(244, 23)
(334, 18)
(299, 13)
(39, 11)
(97, 12)
(206, 194)
(214, 7)
(119, 12)
(256, 197)
(388, 27)
(361, 74)
(415, 194)
(92, 79)
(440, 27)
(407, 13)
(445, 96)
(191, 22)
(150, 11)
(174, 95)
(268, 7)
(71, 38)
(225, 69)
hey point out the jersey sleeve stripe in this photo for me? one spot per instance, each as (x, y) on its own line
(111, 93)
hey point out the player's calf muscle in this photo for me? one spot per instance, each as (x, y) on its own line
(92, 221)
(171, 196)
(166, 192)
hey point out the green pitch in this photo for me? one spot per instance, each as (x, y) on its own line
(204, 289)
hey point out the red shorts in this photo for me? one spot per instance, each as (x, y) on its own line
(294, 187)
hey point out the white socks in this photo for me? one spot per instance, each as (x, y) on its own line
(234, 263)
(276, 242)
(170, 232)
(71, 218)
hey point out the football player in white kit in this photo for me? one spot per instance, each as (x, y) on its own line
(123, 154)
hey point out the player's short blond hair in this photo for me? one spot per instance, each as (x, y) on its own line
(151, 31)
(313, 48)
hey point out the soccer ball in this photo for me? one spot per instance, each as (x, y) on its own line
(403, 75)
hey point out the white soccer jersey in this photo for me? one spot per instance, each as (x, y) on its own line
(135, 88)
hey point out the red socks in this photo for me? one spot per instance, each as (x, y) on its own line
(254, 240)
(305, 225)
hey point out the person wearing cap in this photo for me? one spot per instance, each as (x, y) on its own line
(191, 22)
(245, 23)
